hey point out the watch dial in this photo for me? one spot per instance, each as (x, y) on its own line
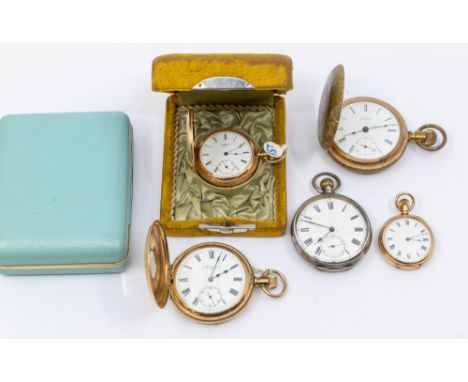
(367, 131)
(332, 230)
(226, 154)
(211, 280)
(407, 240)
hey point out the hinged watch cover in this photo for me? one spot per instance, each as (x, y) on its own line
(190, 140)
(159, 276)
(330, 107)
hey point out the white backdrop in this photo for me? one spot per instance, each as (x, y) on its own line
(426, 83)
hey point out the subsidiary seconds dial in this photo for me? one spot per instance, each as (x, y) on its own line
(330, 230)
(367, 130)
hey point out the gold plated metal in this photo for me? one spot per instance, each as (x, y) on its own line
(405, 202)
(162, 283)
(430, 137)
(271, 153)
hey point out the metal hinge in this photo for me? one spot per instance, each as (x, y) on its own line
(227, 228)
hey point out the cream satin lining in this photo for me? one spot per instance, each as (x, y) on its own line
(193, 198)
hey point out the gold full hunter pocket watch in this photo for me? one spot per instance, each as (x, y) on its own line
(330, 230)
(228, 157)
(365, 134)
(209, 282)
(406, 241)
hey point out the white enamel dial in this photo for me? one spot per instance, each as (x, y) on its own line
(226, 154)
(210, 280)
(367, 131)
(332, 230)
(407, 240)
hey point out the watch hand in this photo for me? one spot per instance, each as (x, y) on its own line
(212, 272)
(335, 245)
(320, 225)
(366, 147)
(225, 271)
(235, 148)
(415, 236)
(353, 132)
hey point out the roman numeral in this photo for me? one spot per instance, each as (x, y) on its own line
(358, 229)
(234, 266)
(243, 161)
(186, 292)
(423, 247)
(388, 119)
(356, 242)
(351, 108)
(365, 107)
(183, 280)
(399, 254)
(237, 279)
(233, 292)
(211, 254)
(197, 256)
(188, 267)
(308, 241)
(225, 136)
(305, 229)
(316, 208)
(354, 217)
(214, 139)
(224, 257)
(378, 111)
(208, 163)
(341, 140)
(330, 205)
(388, 141)
(392, 246)
(344, 208)
(195, 302)
(318, 250)
(407, 222)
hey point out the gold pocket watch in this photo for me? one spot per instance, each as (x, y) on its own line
(406, 241)
(228, 157)
(330, 230)
(209, 282)
(365, 134)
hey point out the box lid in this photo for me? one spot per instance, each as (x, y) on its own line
(66, 190)
(186, 72)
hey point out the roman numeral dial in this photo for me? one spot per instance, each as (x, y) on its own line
(226, 154)
(210, 279)
(367, 130)
(407, 239)
(331, 229)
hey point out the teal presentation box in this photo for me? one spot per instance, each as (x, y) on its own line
(65, 193)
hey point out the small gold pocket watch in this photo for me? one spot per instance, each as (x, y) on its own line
(365, 134)
(330, 230)
(228, 157)
(406, 241)
(209, 282)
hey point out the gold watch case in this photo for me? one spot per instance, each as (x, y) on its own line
(405, 202)
(162, 285)
(332, 103)
(195, 145)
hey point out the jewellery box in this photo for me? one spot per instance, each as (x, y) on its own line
(65, 194)
(226, 92)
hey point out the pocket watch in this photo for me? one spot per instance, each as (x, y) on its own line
(365, 134)
(209, 282)
(228, 157)
(330, 230)
(406, 241)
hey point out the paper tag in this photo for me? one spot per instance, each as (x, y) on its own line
(274, 150)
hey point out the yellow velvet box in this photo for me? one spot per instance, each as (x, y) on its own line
(224, 91)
